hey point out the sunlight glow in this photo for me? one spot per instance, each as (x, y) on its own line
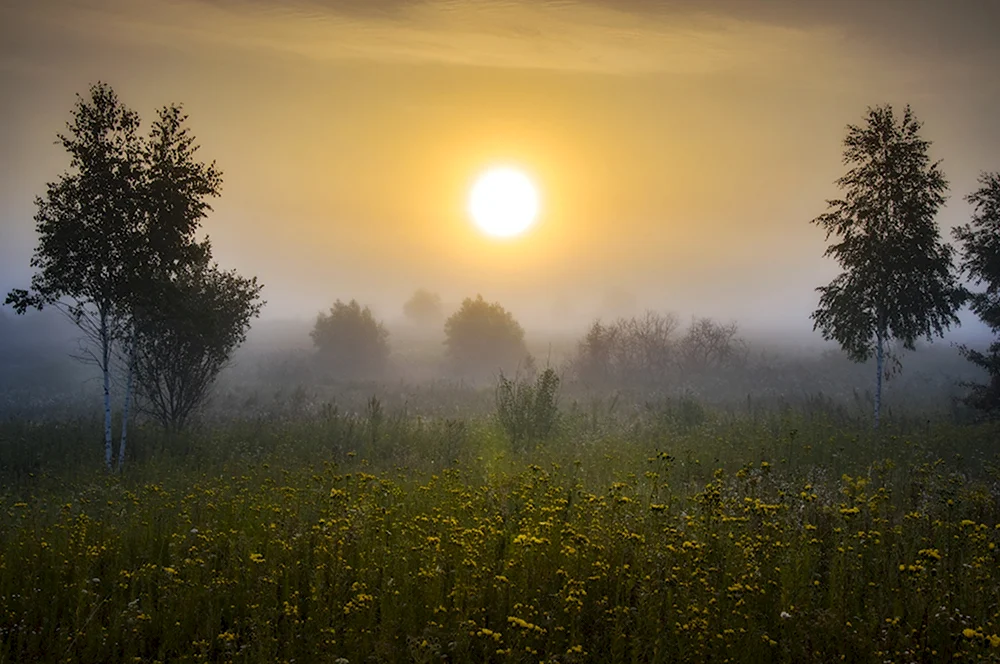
(503, 202)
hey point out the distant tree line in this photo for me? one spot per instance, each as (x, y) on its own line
(651, 350)
(482, 339)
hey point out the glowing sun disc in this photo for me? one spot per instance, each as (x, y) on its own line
(503, 202)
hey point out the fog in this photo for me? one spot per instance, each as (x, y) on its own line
(680, 149)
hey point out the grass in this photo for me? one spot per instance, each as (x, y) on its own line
(668, 534)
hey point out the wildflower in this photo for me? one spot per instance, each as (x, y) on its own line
(256, 558)
(785, 615)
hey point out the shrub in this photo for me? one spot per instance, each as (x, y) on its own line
(647, 350)
(350, 341)
(709, 345)
(528, 412)
(630, 350)
(482, 337)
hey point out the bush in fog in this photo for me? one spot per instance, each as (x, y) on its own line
(350, 341)
(981, 262)
(424, 308)
(637, 349)
(482, 337)
(648, 350)
(710, 346)
(527, 411)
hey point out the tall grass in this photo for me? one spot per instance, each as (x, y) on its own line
(662, 533)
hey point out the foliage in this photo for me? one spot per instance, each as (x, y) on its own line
(350, 341)
(187, 315)
(483, 337)
(981, 261)
(424, 308)
(202, 316)
(528, 411)
(898, 281)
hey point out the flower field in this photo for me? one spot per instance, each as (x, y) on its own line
(728, 542)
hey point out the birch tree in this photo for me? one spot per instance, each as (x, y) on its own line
(182, 344)
(117, 245)
(898, 282)
(88, 224)
(175, 193)
(980, 241)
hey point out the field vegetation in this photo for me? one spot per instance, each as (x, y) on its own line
(669, 532)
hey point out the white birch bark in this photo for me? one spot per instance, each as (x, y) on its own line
(128, 402)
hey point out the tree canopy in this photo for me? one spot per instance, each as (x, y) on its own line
(482, 337)
(897, 281)
(183, 343)
(350, 341)
(980, 240)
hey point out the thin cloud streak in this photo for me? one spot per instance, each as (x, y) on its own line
(570, 37)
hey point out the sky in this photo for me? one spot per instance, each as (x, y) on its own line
(680, 147)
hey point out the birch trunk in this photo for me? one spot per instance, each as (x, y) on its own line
(106, 375)
(879, 364)
(128, 402)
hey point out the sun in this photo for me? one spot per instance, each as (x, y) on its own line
(503, 202)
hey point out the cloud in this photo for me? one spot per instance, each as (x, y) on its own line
(560, 36)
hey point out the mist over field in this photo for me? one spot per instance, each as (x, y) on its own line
(532, 331)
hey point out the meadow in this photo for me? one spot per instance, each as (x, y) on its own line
(667, 533)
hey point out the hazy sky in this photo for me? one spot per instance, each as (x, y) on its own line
(680, 147)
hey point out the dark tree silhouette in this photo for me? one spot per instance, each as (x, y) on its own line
(175, 189)
(482, 338)
(898, 281)
(351, 342)
(189, 316)
(201, 316)
(981, 262)
(88, 224)
(117, 252)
